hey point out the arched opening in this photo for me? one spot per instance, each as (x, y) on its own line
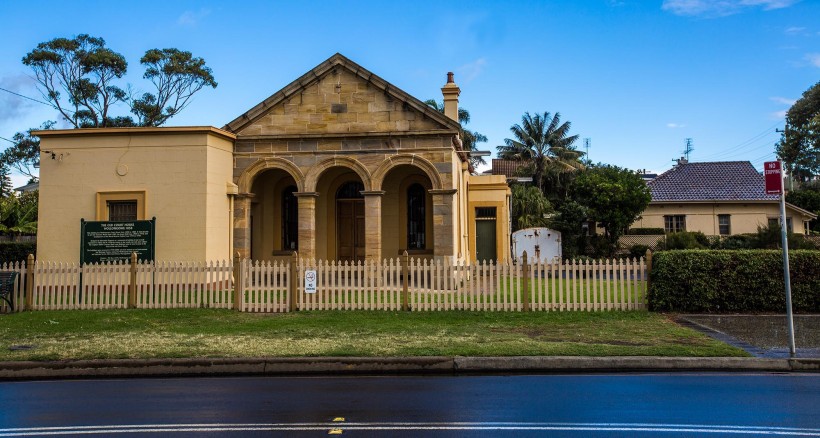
(350, 222)
(407, 213)
(274, 215)
(340, 215)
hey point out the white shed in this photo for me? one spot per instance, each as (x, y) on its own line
(540, 243)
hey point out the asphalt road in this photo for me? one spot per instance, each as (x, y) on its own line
(555, 405)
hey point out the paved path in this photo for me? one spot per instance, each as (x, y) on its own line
(761, 335)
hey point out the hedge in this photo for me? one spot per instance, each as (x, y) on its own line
(16, 251)
(733, 281)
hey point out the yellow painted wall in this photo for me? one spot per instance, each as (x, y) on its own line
(490, 191)
(703, 217)
(182, 171)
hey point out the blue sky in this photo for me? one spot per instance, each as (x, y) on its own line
(635, 77)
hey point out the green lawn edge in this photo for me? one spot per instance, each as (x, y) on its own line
(214, 333)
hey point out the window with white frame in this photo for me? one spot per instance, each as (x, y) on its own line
(674, 223)
(724, 224)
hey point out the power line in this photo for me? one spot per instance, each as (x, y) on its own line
(4, 138)
(29, 98)
(741, 145)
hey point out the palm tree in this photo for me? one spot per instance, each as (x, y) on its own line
(529, 207)
(542, 142)
(468, 138)
(18, 215)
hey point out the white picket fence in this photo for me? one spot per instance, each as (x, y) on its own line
(393, 284)
(436, 285)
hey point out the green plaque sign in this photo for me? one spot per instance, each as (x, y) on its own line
(111, 241)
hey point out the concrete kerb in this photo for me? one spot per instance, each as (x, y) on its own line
(390, 365)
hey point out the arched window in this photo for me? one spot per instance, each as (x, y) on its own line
(416, 223)
(290, 219)
(350, 190)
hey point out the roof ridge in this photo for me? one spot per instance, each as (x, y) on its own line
(316, 73)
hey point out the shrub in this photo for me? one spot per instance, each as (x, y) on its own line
(737, 241)
(687, 240)
(637, 251)
(646, 231)
(733, 281)
(16, 251)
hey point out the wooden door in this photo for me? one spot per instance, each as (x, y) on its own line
(350, 230)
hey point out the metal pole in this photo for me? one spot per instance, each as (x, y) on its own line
(785, 243)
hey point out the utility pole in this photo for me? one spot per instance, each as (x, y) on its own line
(587, 143)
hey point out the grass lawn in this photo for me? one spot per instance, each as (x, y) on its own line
(224, 333)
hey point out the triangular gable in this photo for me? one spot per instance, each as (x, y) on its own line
(275, 106)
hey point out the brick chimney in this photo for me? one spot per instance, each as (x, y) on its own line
(451, 91)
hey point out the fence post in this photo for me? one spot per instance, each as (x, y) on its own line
(405, 262)
(29, 282)
(648, 271)
(132, 287)
(294, 281)
(238, 282)
(525, 284)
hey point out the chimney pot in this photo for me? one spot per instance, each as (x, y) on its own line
(451, 91)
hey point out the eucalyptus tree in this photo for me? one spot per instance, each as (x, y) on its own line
(799, 145)
(78, 76)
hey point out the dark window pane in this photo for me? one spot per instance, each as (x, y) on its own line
(724, 224)
(350, 190)
(290, 219)
(485, 213)
(416, 196)
(674, 224)
(122, 210)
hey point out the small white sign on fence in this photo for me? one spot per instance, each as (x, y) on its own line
(310, 282)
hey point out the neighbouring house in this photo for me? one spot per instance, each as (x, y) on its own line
(337, 165)
(30, 187)
(717, 199)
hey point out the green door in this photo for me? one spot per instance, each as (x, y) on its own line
(485, 239)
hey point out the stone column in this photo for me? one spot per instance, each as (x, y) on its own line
(307, 224)
(373, 224)
(443, 223)
(242, 225)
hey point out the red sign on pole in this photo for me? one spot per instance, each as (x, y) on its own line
(774, 177)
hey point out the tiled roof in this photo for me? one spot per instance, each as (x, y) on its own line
(717, 181)
(507, 168)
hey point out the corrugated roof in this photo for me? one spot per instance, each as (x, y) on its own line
(715, 181)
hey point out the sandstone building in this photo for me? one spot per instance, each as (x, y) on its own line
(337, 165)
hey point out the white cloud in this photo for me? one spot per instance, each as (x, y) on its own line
(13, 106)
(721, 8)
(675, 125)
(778, 115)
(471, 70)
(814, 59)
(795, 30)
(192, 18)
(783, 100)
